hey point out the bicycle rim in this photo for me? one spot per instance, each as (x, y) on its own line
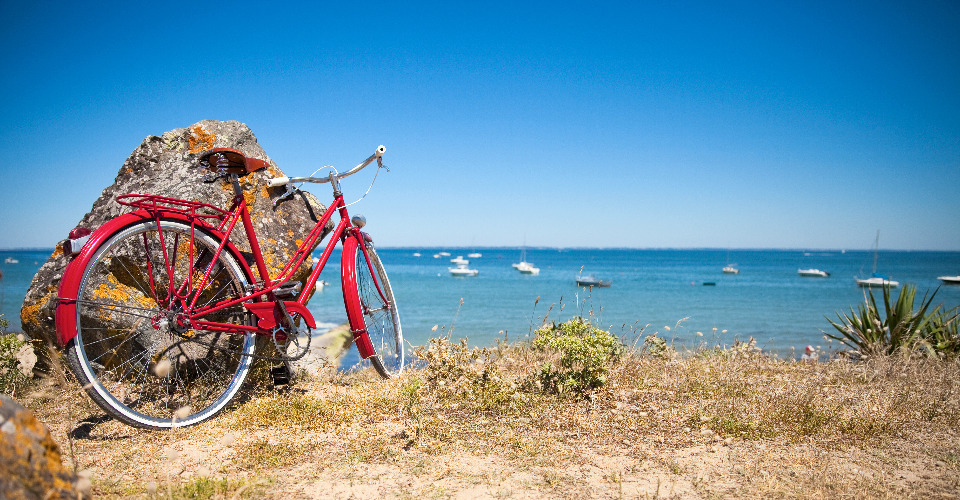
(379, 314)
(133, 353)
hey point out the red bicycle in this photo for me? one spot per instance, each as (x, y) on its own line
(160, 312)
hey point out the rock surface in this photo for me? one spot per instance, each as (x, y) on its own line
(167, 165)
(30, 464)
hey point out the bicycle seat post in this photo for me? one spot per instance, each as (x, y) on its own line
(234, 179)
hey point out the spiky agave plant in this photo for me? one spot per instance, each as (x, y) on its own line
(897, 327)
(941, 336)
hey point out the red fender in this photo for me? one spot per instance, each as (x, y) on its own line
(348, 276)
(66, 310)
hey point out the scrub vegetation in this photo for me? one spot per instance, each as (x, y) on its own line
(570, 413)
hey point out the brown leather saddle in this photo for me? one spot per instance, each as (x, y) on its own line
(231, 160)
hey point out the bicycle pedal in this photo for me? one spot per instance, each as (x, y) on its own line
(281, 374)
(288, 290)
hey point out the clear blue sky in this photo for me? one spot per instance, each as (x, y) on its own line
(785, 124)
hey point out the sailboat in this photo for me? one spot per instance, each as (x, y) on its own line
(875, 279)
(525, 267)
(730, 268)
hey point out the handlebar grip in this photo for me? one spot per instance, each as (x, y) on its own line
(278, 181)
(380, 151)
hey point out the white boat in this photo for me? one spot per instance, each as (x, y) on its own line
(459, 260)
(877, 280)
(731, 269)
(950, 280)
(527, 268)
(523, 266)
(11, 260)
(812, 273)
(463, 271)
(444, 254)
(416, 254)
(592, 281)
(475, 255)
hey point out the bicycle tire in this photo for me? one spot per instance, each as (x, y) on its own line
(379, 310)
(129, 354)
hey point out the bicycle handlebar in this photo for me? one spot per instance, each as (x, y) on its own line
(280, 181)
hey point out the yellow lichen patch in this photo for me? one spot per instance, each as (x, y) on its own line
(57, 251)
(118, 292)
(250, 197)
(200, 139)
(274, 265)
(30, 313)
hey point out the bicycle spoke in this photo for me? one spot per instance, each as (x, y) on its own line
(130, 318)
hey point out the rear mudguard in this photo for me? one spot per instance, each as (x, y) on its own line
(351, 300)
(66, 310)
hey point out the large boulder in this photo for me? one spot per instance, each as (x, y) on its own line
(168, 165)
(30, 463)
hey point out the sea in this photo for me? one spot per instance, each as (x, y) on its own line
(682, 295)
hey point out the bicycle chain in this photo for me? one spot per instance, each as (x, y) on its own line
(276, 344)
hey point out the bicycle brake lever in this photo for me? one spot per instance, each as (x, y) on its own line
(286, 194)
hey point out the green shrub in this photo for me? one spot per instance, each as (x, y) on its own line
(17, 360)
(656, 346)
(582, 356)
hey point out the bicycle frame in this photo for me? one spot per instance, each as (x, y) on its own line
(260, 299)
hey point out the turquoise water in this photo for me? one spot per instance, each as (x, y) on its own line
(651, 289)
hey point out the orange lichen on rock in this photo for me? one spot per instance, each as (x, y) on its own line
(118, 292)
(30, 462)
(250, 197)
(200, 139)
(30, 313)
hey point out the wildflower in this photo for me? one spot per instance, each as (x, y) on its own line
(228, 439)
(162, 369)
(182, 413)
(27, 359)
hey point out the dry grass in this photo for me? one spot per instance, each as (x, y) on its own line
(727, 424)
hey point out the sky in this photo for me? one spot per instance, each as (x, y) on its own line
(645, 124)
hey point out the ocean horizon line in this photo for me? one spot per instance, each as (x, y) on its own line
(586, 247)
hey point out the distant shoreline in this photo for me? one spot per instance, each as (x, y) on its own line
(598, 248)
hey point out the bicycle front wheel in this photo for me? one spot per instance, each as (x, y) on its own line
(135, 351)
(379, 308)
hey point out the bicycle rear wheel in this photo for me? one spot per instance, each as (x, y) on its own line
(379, 310)
(134, 352)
